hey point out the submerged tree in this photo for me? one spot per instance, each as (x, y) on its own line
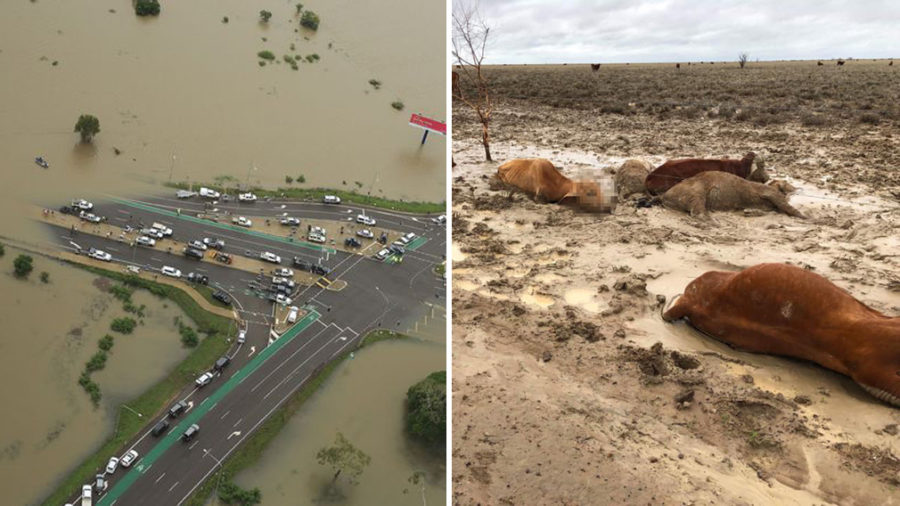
(426, 410)
(470, 38)
(265, 16)
(343, 458)
(88, 126)
(310, 20)
(742, 59)
(146, 7)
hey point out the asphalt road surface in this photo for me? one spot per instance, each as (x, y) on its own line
(260, 376)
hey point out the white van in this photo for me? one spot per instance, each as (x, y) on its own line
(292, 316)
(166, 231)
(208, 193)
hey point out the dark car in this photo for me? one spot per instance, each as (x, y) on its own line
(222, 297)
(321, 270)
(198, 278)
(222, 363)
(193, 253)
(177, 409)
(282, 289)
(214, 242)
(383, 238)
(397, 250)
(190, 433)
(160, 428)
(301, 264)
(352, 242)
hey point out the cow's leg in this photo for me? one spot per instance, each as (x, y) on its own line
(698, 206)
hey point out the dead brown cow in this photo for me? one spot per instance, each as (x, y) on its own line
(781, 309)
(673, 172)
(537, 177)
(721, 191)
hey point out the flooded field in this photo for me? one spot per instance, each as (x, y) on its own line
(363, 400)
(50, 331)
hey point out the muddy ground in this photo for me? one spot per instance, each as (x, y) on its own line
(568, 388)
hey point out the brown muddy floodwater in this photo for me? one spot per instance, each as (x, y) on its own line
(288, 472)
(49, 332)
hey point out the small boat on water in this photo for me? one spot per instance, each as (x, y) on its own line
(43, 163)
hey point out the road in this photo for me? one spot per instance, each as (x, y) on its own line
(261, 376)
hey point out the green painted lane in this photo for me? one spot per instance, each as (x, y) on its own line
(197, 412)
(416, 243)
(225, 226)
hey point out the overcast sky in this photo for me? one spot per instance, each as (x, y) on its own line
(551, 31)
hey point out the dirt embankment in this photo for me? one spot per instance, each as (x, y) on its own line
(568, 388)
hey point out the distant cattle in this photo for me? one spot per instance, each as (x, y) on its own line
(781, 309)
(673, 172)
(840, 63)
(891, 64)
(595, 67)
(677, 65)
(820, 64)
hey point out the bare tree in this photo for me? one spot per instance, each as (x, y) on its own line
(742, 59)
(470, 38)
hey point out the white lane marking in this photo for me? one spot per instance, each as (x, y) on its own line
(160, 477)
(295, 369)
(193, 445)
(237, 422)
(287, 359)
(174, 485)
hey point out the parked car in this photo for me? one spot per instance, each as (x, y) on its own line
(193, 253)
(100, 483)
(160, 428)
(146, 241)
(276, 280)
(200, 245)
(179, 408)
(190, 433)
(439, 220)
(90, 217)
(129, 458)
(381, 255)
(200, 279)
(409, 237)
(283, 272)
(316, 238)
(365, 233)
(171, 271)
(185, 194)
(365, 220)
(321, 270)
(82, 205)
(270, 257)
(166, 231)
(152, 232)
(204, 379)
(396, 249)
(214, 243)
(86, 494)
(242, 336)
(246, 197)
(222, 363)
(224, 258)
(331, 199)
(290, 221)
(301, 264)
(352, 242)
(285, 289)
(208, 193)
(282, 299)
(112, 465)
(242, 221)
(383, 238)
(99, 254)
(222, 297)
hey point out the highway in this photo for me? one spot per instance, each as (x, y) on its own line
(261, 376)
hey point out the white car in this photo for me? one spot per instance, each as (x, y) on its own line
(99, 254)
(242, 221)
(204, 379)
(112, 465)
(91, 217)
(331, 199)
(129, 458)
(171, 271)
(146, 241)
(82, 204)
(365, 220)
(166, 231)
(293, 222)
(440, 220)
(282, 281)
(283, 272)
(282, 299)
(318, 230)
(270, 257)
(213, 242)
(86, 493)
(246, 197)
(242, 336)
(381, 255)
(365, 233)
(197, 245)
(211, 194)
(316, 238)
(152, 232)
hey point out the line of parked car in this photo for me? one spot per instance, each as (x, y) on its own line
(397, 248)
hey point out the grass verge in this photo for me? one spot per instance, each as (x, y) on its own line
(316, 194)
(252, 449)
(159, 395)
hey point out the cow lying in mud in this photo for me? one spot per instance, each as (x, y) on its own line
(784, 310)
(721, 191)
(673, 172)
(542, 181)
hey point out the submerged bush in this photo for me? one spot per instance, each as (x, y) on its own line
(124, 325)
(146, 7)
(266, 55)
(310, 20)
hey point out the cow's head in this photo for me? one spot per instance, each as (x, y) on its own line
(758, 173)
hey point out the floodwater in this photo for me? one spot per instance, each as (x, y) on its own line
(364, 399)
(183, 98)
(49, 332)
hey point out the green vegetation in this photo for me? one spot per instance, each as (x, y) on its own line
(121, 292)
(343, 457)
(97, 362)
(310, 20)
(90, 387)
(146, 7)
(380, 335)
(2, 250)
(88, 126)
(288, 179)
(123, 325)
(299, 8)
(266, 55)
(22, 266)
(312, 58)
(225, 19)
(426, 410)
(106, 342)
(316, 194)
(230, 493)
(45, 277)
(440, 269)
(189, 336)
(375, 83)
(301, 179)
(397, 105)
(157, 398)
(265, 16)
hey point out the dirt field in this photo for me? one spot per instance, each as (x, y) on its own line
(568, 388)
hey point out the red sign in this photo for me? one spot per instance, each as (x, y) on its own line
(433, 125)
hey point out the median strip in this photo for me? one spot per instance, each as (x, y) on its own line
(195, 414)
